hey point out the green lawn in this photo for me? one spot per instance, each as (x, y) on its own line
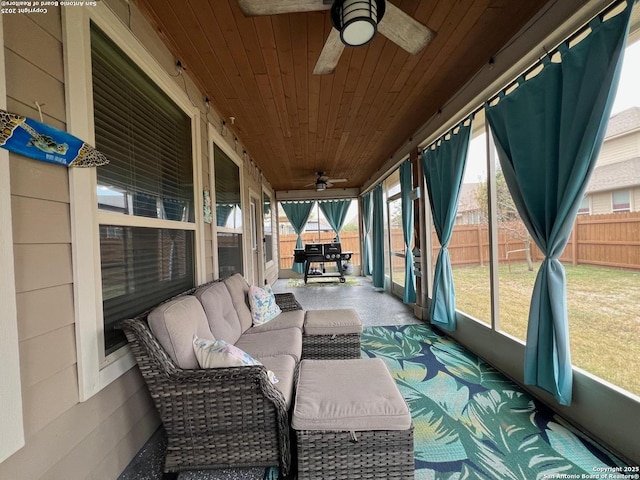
(603, 306)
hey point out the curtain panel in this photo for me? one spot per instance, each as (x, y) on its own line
(366, 222)
(548, 132)
(406, 186)
(443, 166)
(298, 214)
(335, 212)
(378, 238)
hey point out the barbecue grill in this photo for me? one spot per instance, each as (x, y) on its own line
(322, 253)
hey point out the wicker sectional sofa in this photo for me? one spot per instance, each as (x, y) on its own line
(220, 417)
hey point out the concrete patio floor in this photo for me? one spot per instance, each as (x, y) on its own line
(375, 309)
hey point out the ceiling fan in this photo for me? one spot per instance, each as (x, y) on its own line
(323, 182)
(355, 23)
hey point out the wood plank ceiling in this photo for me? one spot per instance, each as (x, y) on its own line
(348, 123)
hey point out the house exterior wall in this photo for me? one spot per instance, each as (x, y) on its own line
(620, 148)
(66, 437)
(600, 203)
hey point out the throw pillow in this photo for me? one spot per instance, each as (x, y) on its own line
(263, 304)
(220, 354)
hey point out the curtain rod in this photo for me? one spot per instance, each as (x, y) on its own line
(550, 53)
(536, 64)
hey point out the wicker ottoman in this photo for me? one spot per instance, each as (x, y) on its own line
(351, 422)
(331, 334)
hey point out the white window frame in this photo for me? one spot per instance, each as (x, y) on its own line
(214, 137)
(622, 210)
(95, 370)
(588, 199)
(11, 424)
(274, 228)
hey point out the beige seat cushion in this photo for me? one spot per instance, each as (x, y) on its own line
(239, 291)
(332, 322)
(272, 343)
(175, 323)
(221, 313)
(283, 366)
(290, 319)
(348, 395)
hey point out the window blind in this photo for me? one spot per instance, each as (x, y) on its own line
(147, 139)
(145, 135)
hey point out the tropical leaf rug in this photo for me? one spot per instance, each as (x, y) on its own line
(470, 421)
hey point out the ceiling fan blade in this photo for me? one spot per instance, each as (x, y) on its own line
(273, 7)
(337, 180)
(330, 55)
(403, 30)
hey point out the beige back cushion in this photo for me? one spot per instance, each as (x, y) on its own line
(221, 314)
(239, 291)
(175, 323)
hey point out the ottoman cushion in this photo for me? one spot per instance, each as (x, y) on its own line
(332, 322)
(348, 395)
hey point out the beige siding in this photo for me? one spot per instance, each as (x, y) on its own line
(38, 180)
(80, 462)
(40, 361)
(53, 446)
(64, 438)
(635, 199)
(47, 57)
(42, 265)
(41, 86)
(45, 401)
(40, 221)
(44, 310)
(619, 149)
(601, 203)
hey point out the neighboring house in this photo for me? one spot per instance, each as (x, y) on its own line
(313, 225)
(469, 212)
(615, 182)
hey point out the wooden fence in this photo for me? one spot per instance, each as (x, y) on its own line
(610, 240)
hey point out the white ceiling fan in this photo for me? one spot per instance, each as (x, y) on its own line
(355, 23)
(323, 182)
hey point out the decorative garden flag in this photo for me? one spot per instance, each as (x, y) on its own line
(42, 142)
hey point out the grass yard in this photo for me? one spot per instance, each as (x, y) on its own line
(603, 306)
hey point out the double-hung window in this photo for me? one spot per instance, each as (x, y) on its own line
(136, 239)
(145, 194)
(228, 202)
(267, 208)
(621, 201)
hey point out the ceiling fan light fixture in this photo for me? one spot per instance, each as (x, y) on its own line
(357, 20)
(320, 186)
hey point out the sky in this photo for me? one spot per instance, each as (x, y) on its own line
(628, 95)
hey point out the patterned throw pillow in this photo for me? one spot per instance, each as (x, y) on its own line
(263, 304)
(220, 354)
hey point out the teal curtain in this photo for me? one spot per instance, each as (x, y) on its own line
(335, 211)
(366, 220)
(406, 186)
(223, 211)
(378, 238)
(298, 214)
(548, 133)
(443, 167)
